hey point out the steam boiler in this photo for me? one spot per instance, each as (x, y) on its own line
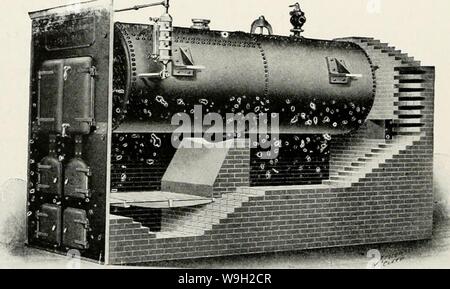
(302, 79)
(351, 148)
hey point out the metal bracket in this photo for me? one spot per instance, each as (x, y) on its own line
(93, 72)
(87, 172)
(338, 71)
(183, 63)
(41, 215)
(44, 167)
(86, 193)
(101, 128)
(43, 72)
(82, 222)
(40, 234)
(41, 186)
(82, 243)
(46, 120)
(52, 146)
(78, 145)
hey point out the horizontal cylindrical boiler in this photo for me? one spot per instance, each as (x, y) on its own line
(316, 86)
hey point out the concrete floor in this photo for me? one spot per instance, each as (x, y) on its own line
(423, 255)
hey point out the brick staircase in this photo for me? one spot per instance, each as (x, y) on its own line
(128, 224)
(399, 95)
(356, 158)
(385, 48)
(386, 60)
(189, 222)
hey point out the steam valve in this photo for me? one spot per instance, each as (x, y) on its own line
(298, 19)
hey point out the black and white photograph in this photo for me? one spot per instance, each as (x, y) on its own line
(224, 134)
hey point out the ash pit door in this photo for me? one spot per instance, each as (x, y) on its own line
(50, 172)
(76, 184)
(49, 224)
(76, 227)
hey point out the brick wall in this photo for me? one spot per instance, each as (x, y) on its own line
(149, 218)
(235, 171)
(392, 203)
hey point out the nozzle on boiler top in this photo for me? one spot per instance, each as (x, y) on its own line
(298, 19)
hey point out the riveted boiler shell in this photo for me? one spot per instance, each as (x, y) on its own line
(248, 73)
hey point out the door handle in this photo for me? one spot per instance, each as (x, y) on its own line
(67, 70)
(65, 127)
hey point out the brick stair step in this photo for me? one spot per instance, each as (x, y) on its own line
(402, 55)
(352, 169)
(371, 41)
(203, 219)
(249, 192)
(349, 173)
(195, 218)
(228, 198)
(381, 45)
(185, 230)
(193, 225)
(394, 52)
(207, 216)
(359, 164)
(339, 178)
(409, 59)
(171, 235)
(378, 150)
(337, 183)
(388, 49)
(225, 209)
(415, 63)
(347, 158)
(360, 153)
(365, 159)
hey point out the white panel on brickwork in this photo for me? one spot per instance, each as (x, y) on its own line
(197, 162)
(156, 200)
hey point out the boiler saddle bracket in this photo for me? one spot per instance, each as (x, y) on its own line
(339, 72)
